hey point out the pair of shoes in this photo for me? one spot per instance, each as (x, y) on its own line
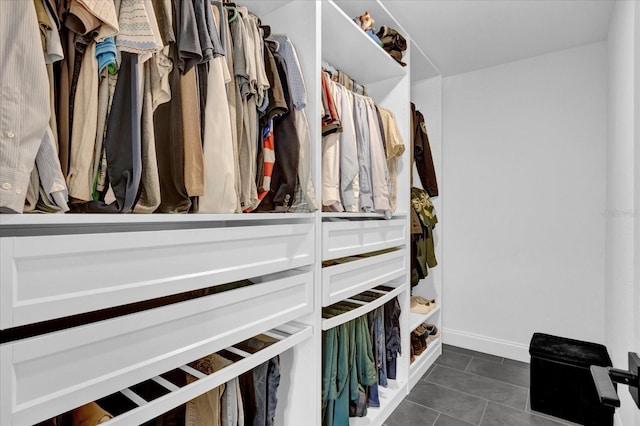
(420, 305)
(432, 332)
(429, 331)
(418, 343)
(426, 328)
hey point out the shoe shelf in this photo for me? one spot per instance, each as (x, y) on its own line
(390, 398)
(144, 408)
(357, 274)
(286, 336)
(422, 362)
(98, 358)
(416, 319)
(358, 308)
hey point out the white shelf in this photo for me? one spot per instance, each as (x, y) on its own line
(348, 48)
(417, 319)
(425, 360)
(71, 219)
(375, 8)
(390, 397)
(328, 323)
(346, 215)
(347, 279)
(295, 333)
(348, 238)
(99, 358)
(142, 266)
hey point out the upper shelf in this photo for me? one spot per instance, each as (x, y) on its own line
(421, 67)
(348, 48)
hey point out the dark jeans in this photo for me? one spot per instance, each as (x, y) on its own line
(260, 388)
(392, 334)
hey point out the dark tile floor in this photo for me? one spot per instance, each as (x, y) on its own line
(465, 388)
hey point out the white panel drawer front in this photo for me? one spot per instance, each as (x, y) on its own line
(345, 280)
(48, 277)
(52, 373)
(340, 239)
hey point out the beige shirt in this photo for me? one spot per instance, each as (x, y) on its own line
(379, 172)
(85, 124)
(219, 172)
(395, 148)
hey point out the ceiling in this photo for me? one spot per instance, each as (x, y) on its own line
(465, 35)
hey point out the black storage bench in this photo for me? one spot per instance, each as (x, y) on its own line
(561, 383)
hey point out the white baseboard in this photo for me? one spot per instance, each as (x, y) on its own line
(486, 344)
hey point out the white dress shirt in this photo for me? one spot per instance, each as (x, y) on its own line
(24, 100)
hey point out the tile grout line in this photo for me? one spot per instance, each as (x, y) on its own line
(484, 412)
(475, 356)
(438, 411)
(436, 420)
(468, 365)
(484, 377)
(502, 359)
(558, 420)
(475, 396)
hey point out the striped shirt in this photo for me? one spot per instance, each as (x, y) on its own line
(24, 100)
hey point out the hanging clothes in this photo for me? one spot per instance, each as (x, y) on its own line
(394, 148)
(422, 153)
(348, 370)
(305, 199)
(130, 123)
(423, 254)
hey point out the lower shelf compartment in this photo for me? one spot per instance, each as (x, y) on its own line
(62, 370)
(284, 337)
(358, 308)
(390, 398)
(423, 361)
(417, 319)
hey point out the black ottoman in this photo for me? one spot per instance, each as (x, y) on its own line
(561, 383)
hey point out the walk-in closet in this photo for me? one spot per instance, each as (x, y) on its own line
(298, 212)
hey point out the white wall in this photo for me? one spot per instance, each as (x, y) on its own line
(524, 195)
(622, 304)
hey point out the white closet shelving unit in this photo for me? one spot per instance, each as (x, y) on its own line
(426, 94)
(52, 270)
(346, 47)
(56, 267)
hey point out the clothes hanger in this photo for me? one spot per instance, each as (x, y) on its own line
(266, 29)
(233, 10)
